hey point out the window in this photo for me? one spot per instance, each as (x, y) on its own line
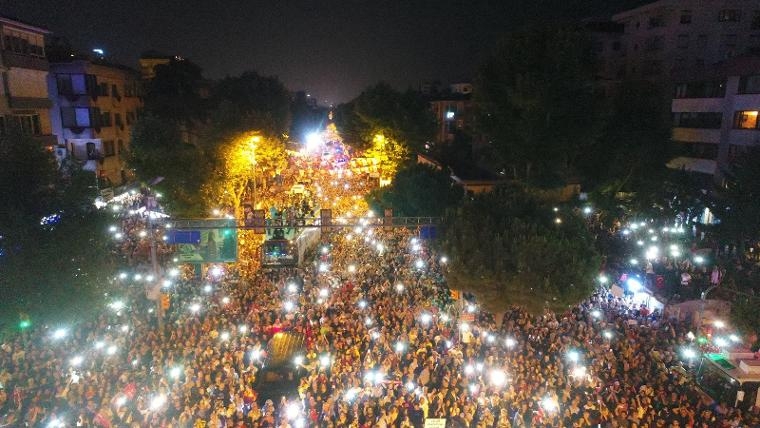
(654, 44)
(704, 89)
(24, 43)
(685, 17)
(651, 68)
(80, 117)
(28, 124)
(702, 41)
(3, 128)
(755, 20)
(117, 119)
(108, 148)
(115, 92)
(700, 120)
(120, 145)
(683, 41)
(75, 84)
(749, 84)
(105, 119)
(745, 119)
(655, 22)
(130, 118)
(615, 46)
(754, 43)
(103, 89)
(729, 15)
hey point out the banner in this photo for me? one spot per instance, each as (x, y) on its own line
(205, 241)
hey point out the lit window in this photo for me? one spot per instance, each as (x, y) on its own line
(746, 119)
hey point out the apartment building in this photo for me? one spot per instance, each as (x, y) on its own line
(94, 105)
(663, 39)
(715, 115)
(452, 110)
(24, 102)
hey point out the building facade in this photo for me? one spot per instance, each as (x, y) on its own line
(94, 106)
(661, 40)
(452, 111)
(715, 116)
(24, 102)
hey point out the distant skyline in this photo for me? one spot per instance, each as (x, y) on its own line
(331, 49)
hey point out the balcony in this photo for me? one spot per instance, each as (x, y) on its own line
(696, 135)
(29, 103)
(13, 59)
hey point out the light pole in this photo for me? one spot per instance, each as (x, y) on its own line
(702, 299)
(254, 140)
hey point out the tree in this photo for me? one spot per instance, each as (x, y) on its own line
(635, 143)
(241, 160)
(509, 244)
(535, 101)
(174, 93)
(251, 101)
(417, 190)
(158, 155)
(380, 109)
(738, 205)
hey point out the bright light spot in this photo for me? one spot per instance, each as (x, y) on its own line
(469, 369)
(242, 328)
(288, 306)
(410, 386)
(368, 321)
(216, 211)
(688, 353)
(324, 292)
(555, 209)
(225, 300)
(719, 324)
(324, 360)
(653, 239)
(602, 279)
(472, 308)
(690, 335)
(558, 220)
(375, 335)
(322, 267)
(579, 371)
(444, 260)
(634, 262)
(633, 284)
(207, 288)
(167, 283)
(175, 372)
(380, 247)
(464, 326)
(498, 377)
(444, 317)
(117, 305)
(298, 360)
(510, 342)
(149, 278)
(225, 336)
(123, 275)
(77, 360)
(195, 307)
(143, 234)
(313, 141)
(324, 250)
(640, 243)
(157, 401)
(60, 333)
(122, 400)
(174, 272)
(112, 229)
(573, 356)
(587, 210)
(256, 354)
(596, 313)
(652, 253)
(111, 350)
(419, 264)
(216, 271)
(400, 346)
(699, 259)
(607, 334)
(124, 328)
(721, 342)
(400, 287)
(425, 318)
(99, 344)
(118, 235)
(351, 268)
(292, 411)
(549, 404)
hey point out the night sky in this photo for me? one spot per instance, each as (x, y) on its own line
(331, 48)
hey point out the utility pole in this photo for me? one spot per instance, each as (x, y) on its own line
(702, 299)
(156, 292)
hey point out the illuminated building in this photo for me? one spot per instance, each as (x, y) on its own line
(715, 115)
(95, 105)
(24, 99)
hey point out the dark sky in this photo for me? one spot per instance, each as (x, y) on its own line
(332, 48)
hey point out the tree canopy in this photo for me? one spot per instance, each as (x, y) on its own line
(416, 191)
(536, 103)
(400, 116)
(174, 93)
(738, 204)
(511, 241)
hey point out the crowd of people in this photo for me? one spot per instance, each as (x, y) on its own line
(385, 345)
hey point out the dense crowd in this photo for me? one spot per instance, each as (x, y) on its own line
(385, 345)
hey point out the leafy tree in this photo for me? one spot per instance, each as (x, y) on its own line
(240, 160)
(157, 154)
(251, 102)
(738, 205)
(508, 243)
(635, 144)
(535, 100)
(174, 93)
(417, 190)
(380, 109)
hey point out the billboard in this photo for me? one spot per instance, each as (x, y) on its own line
(204, 241)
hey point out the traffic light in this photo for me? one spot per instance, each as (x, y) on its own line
(165, 301)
